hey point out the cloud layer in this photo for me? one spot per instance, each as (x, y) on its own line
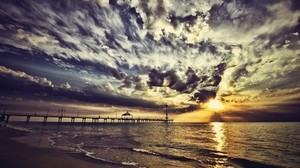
(138, 53)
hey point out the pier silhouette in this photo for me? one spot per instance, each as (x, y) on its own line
(125, 118)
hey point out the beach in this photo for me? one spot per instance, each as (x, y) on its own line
(15, 155)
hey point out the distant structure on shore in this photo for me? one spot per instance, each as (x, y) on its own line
(127, 115)
(167, 117)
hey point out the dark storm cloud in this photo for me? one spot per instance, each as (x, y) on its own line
(191, 19)
(193, 81)
(62, 42)
(172, 80)
(16, 82)
(126, 14)
(13, 81)
(219, 69)
(216, 77)
(139, 19)
(295, 5)
(92, 94)
(241, 71)
(117, 74)
(222, 14)
(130, 81)
(213, 81)
(283, 38)
(204, 95)
(36, 64)
(192, 78)
(97, 67)
(160, 79)
(206, 46)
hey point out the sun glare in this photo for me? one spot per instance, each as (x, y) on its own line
(215, 104)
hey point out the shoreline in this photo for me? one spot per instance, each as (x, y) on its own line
(16, 152)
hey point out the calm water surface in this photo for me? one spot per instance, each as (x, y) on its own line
(182, 144)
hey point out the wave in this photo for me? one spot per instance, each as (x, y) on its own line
(165, 155)
(201, 139)
(249, 163)
(20, 128)
(203, 152)
(144, 151)
(74, 136)
(91, 155)
(228, 161)
(52, 142)
(129, 163)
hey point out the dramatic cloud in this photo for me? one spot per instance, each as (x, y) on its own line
(149, 53)
(16, 81)
(204, 95)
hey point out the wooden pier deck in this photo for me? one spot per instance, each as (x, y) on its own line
(83, 118)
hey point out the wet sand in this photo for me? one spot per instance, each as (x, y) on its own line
(15, 155)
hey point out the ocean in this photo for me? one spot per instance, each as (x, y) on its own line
(217, 144)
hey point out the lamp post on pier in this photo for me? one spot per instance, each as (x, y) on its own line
(167, 117)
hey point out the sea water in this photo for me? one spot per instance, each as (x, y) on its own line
(185, 145)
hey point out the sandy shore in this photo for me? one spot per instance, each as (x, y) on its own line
(15, 155)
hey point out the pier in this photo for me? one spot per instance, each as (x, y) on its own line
(76, 118)
(83, 119)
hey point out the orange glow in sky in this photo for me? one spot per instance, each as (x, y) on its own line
(215, 104)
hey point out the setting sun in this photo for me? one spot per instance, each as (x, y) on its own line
(215, 104)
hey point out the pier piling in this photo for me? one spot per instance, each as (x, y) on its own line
(27, 119)
(60, 119)
(45, 120)
(7, 118)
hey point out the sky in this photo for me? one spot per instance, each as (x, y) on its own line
(111, 56)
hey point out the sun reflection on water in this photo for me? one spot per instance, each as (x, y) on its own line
(218, 129)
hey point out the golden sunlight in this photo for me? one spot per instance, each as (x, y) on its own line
(215, 104)
(217, 128)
